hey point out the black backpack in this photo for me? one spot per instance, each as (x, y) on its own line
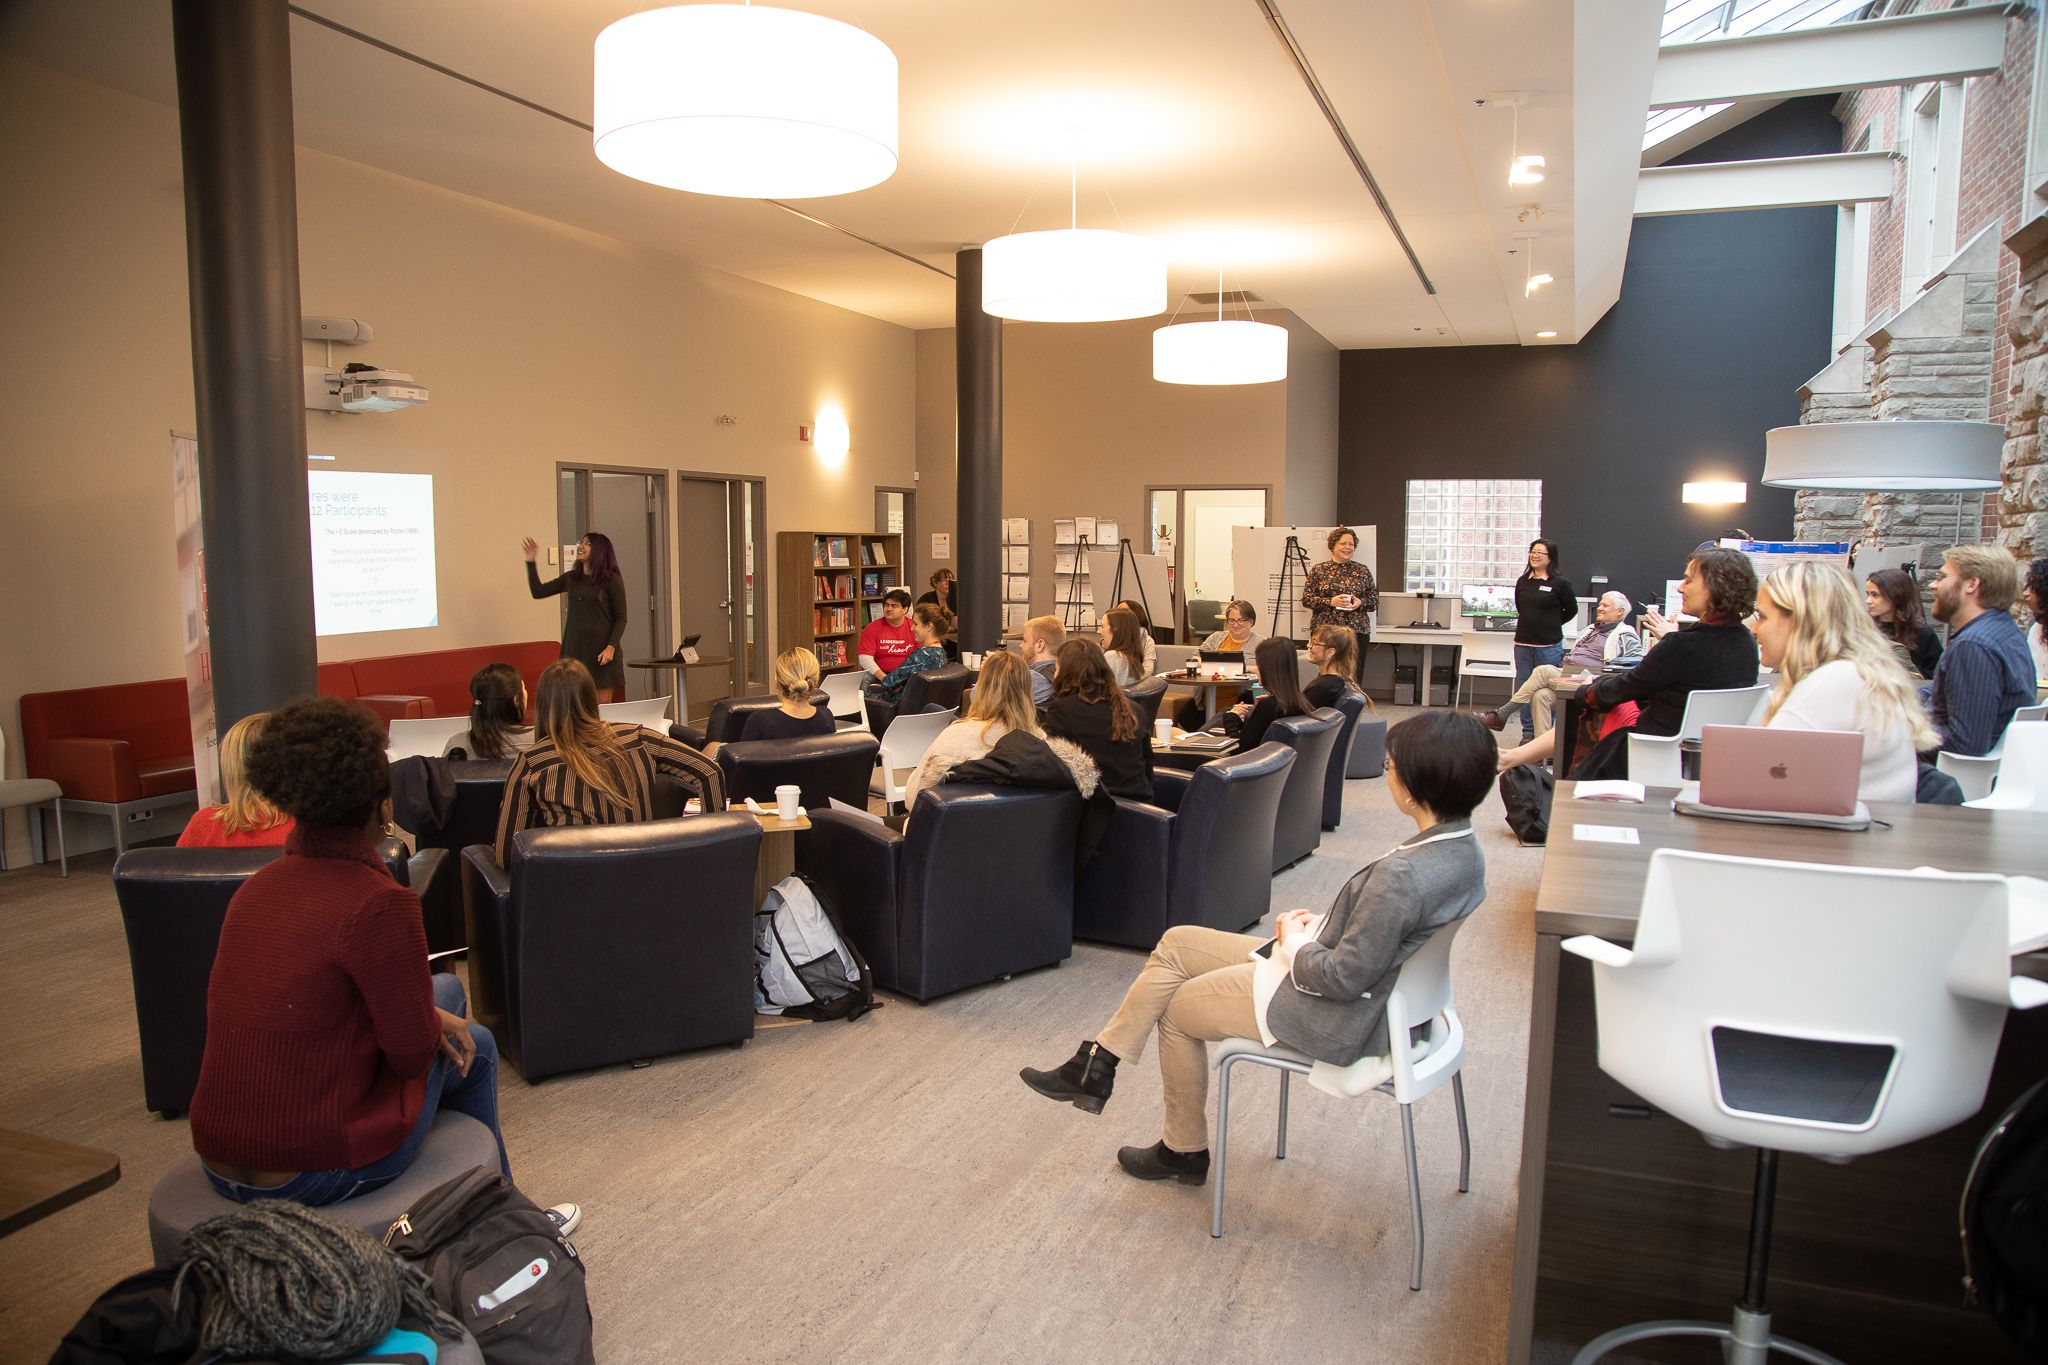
(500, 1266)
(2004, 1222)
(1525, 791)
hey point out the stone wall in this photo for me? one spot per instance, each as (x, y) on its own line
(2023, 508)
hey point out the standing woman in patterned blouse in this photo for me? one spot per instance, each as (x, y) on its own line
(584, 770)
(1340, 591)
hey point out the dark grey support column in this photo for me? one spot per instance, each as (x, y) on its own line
(978, 439)
(242, 259)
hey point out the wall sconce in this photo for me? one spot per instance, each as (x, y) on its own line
(832, 436)
(1716, 494)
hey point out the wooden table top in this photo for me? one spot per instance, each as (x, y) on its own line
(772, 823)
(1597, 888)
(1207, 680)
(40, 1175)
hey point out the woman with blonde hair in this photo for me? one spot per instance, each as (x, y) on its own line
(584, 770)
(1837, 672)
(244, 819)
(796, 678)
(1001, 705)
(1334, 652)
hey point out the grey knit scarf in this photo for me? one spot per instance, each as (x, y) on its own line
(286, 1280)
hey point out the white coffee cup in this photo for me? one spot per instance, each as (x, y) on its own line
(1162, 731)
(785, 801)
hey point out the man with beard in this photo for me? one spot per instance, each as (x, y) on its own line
(1986, 673)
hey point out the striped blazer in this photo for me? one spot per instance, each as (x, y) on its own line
(543, 792)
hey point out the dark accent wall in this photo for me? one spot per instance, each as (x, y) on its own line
(1722, 316)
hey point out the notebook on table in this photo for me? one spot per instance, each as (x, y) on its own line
(1807, 777)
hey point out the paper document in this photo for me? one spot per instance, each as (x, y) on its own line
(1608, 791)
(861, 811)
(1604, 834)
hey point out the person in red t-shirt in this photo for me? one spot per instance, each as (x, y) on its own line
(888, 642)
(329, 1049)
(244, 819)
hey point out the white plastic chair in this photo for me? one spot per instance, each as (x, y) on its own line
(1421, 997)
(423, 737)
(2022, 769)
(31, 794)
(1977, 774)
(904, 745)
(843, 688)
(1653, 759)
(651, 713)
(1733, 1014)
(1486, 654)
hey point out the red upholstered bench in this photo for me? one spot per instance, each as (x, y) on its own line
(441, 677)
(339, 680)
(114, 750)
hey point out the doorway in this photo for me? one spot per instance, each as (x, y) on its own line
(630, 506)
(720, 571)
(1190, 526)
(896, 514)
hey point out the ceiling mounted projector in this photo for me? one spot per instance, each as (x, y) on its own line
(361, 388)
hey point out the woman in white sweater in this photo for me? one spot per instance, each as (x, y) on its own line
(1835, 672)
(1002, 703)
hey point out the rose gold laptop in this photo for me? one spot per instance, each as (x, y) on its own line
(1788, 772)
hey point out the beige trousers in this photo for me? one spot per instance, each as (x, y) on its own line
(1540, 692)
(1197, 989)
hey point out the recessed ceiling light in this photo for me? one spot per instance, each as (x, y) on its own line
(1545, 336)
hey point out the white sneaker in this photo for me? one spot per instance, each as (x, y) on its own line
(566, 1217)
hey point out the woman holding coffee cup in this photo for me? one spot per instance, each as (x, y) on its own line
(1340, 591)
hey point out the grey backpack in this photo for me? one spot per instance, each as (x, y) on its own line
(803, 965)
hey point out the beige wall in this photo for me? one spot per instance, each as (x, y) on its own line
(539, 343)
(1086, 429)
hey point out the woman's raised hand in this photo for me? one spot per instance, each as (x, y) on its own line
(530, 548)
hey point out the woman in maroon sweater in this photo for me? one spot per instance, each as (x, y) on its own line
(328, 1046)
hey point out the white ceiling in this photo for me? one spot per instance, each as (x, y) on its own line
(1193, 119)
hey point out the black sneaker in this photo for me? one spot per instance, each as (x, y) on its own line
(1084, 1080)
(1161, 1162)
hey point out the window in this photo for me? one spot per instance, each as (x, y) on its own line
(1934, 172)
(1852, 264)
(1469, 531)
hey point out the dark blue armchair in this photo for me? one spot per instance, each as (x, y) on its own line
(1298, 829)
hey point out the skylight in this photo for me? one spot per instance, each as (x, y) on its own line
(1689, 21)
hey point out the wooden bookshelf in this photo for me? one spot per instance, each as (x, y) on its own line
(828, 586)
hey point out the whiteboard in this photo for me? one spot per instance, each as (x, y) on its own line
(1150, 589)
(1255, 557)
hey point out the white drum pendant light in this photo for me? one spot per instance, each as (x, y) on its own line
(747, 101)
(1891, 456)
(1219, 352)
(1073, 274)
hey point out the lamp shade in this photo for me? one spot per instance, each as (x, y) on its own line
(1885, 457)
(1219, 352)
(747, 101)
(1073, 275)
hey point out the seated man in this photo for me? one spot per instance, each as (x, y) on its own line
(1986, 673)
(1043, 636)
(886, 643)
(1608, 639)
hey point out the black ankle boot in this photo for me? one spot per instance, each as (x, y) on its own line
(1083, 1081)
(1161, 1162)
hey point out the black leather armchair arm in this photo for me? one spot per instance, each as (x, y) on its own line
(1169, 785)
(855, 866)
(486, 904)
(1120, 897)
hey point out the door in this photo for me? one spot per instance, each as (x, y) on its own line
(1191, 526)
(720, 577)
(628, 506)
(896, 514)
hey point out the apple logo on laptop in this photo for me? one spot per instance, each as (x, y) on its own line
(1778, 770)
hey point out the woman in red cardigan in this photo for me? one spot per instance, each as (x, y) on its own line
(329, 1048)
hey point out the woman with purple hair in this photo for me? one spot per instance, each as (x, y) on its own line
(597, 609)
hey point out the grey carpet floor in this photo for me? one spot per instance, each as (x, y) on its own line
(887, 1190)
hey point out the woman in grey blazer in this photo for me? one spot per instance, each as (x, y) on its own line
(1322, 988)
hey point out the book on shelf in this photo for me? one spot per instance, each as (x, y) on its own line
(829, 552)
(837, 586)
(832, 620)
(831, 653)
(871, 583)
(874, 552)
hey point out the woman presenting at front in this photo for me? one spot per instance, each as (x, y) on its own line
(1324, 988)
(597, 609)
(1543, 603)
(1340, 590)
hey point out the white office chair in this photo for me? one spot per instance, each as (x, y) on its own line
(1486, 654)
(1733, 1014)
(904, 745)
(843, 689)
(652, 713)
(2022, 782)
(1653, 759)
(1421, 996)
(1976, 774)
(423, 738)
(31, 794)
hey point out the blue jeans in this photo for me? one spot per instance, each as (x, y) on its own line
(475, 1095)
(1527, 659)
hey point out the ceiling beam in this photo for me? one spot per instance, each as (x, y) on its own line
(1817, 61)
(1783, 183)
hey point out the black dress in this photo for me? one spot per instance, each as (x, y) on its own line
(776, 723)
(597, 617)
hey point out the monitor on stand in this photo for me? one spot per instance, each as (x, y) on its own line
(1489, 606)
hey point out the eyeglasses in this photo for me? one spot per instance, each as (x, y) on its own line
(1233, 620)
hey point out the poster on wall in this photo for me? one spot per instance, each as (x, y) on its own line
(191, 545)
